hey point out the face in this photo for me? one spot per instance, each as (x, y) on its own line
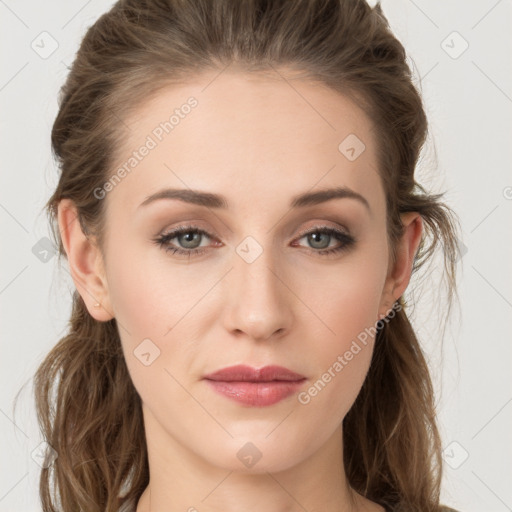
(259, 281)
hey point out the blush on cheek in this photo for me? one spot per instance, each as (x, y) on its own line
(348, 353)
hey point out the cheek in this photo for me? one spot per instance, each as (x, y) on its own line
(136, 303)
(349, 321)
(153, 303)
(142, 313)
(341, 348)
(346, 297)
(145, 313)
(148, 294)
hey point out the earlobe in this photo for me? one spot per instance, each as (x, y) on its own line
(85, 263)
(400, 275)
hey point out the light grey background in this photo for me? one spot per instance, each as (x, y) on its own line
(468, 97)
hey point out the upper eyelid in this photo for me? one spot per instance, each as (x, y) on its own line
(176, 231)
(318, 227)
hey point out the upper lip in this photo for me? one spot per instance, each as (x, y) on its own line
(249, 374)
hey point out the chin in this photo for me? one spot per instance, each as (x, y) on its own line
(257, 454)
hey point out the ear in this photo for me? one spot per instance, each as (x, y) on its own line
(399, 274)
(85, 262)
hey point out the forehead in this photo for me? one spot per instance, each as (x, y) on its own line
(248, 133)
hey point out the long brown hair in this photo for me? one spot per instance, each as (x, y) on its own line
(87, 406)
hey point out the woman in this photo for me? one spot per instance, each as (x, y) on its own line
(238, 207)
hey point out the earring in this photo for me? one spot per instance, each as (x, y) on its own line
(97, 305)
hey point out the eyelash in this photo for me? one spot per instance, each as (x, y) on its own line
(163, 240)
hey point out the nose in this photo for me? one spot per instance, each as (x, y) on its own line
(259, 302)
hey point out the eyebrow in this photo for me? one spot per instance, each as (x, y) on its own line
(210, 200)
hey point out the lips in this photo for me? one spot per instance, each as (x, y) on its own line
(244, 373)
(255, 387)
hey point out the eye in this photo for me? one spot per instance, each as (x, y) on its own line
(189, 237)
(321, 236)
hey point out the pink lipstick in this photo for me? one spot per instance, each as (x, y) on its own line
(255, 387)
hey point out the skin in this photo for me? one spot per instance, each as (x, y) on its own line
(259, 142)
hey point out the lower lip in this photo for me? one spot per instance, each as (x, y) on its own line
(256, 394)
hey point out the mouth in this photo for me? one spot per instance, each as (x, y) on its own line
(255, 387)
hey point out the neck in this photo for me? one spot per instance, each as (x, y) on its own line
(181, 480)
